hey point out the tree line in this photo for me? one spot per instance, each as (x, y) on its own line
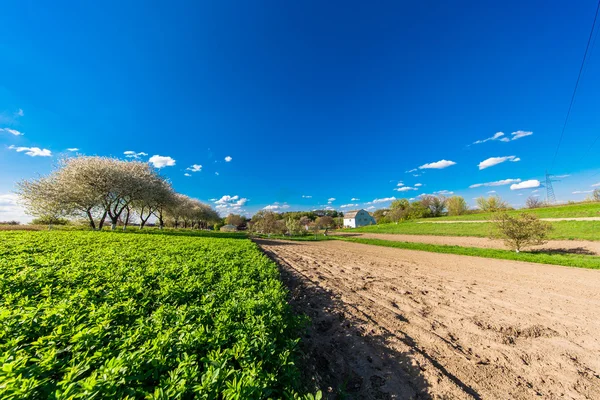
(103, 188)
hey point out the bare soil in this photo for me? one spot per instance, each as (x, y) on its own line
(559, 246)
(393, 323)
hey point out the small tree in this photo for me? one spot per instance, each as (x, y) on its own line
(521, 231)
(533, 202)
(595, 195)
(492, 204)
(293, 226)
(456, 205)
(435, 204)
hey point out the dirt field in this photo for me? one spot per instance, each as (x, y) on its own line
(392, 323)
(563, 246)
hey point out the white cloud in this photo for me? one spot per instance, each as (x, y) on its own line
(11, 210)
(400, 184)
(386, 199)
(133, 154)
(596, 184)
(496, 183)
(32, 151)
(583, 191)
(561, 176)
(371, 208)
(73, 149)
(330, 200)
(438, 164)
(354, 199)
(412, 170)
(529, 184)
(306, 197)
(11, 131)
(535, 191)
(228, 159)
(20, 113)
(349, 205)
(276, 206)
(496, 136)
(444, 192)
(405, 189)
(230, 204)
(418, 184)
(490, 162)
(216, 173)
(186, 174)
(161, 161)
(520, 134)
(491, 191)
(194, 168)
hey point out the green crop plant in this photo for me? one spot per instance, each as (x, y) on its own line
(118, 315)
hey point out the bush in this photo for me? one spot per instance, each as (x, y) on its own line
(534, 202)
(492, 204)
(10, 223)
(435, 204)
(521, 231)
(456, 205)
(48, 220)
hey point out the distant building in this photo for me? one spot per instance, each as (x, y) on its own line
(228, 228)
(356, 218)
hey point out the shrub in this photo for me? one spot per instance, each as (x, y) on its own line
(435, 204)
(49, 220)
(520, 231)
(456, 205)
(492, 204)
(534, 202)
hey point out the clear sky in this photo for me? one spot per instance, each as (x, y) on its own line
(309, 100)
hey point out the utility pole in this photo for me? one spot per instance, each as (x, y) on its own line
(550, 198)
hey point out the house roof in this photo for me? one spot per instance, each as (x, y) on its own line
(351, 214)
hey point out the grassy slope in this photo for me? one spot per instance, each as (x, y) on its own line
(564, 211)
(569, 230)
(570, 260)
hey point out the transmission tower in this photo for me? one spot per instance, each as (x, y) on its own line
(550, 198)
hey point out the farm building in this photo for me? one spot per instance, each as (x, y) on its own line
(228, 228)
(354, 219)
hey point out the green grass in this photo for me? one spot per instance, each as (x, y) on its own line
(570, 260)
(563, 211)
(148, 315)
(567, 230)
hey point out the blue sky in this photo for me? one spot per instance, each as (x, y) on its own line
(332, 101)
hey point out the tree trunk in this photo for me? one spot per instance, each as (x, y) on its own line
(92, 224)
(101, 223)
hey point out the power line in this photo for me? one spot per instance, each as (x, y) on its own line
(562, 133)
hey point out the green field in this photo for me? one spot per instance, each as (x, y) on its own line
(570, 260)
(563, 211)
(120, 315)
(568, 230)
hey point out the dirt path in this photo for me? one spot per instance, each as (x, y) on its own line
(559, 246)
(392, 323)
(484, 221)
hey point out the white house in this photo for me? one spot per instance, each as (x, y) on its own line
(356, 218)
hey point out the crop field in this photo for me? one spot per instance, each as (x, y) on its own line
(569, 230)
(579, 210)
(119, 315)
